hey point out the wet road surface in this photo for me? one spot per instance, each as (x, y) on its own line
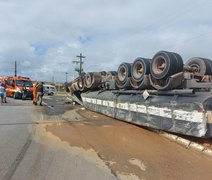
(130, 151)
(29, 152)
(59, 141)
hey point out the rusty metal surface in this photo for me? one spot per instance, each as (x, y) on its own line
(177, 113)
(144, 84)
(174, 81)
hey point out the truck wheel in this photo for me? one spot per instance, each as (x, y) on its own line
(81, 84)
(165, 64)
(179, 62)
(124, 71)
(88, 79)
(103, 73)
(140, 67)
(203, 66)
(112, 73)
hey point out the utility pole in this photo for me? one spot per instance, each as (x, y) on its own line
(80, 62)
(15, 68)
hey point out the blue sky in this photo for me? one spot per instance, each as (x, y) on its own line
(44, 36)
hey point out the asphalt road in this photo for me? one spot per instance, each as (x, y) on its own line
(28, 152)
(58, 141)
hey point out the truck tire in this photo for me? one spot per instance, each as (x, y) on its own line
(112, 73)
(88, 78)
(124, 71)
(179, 62)
(210, 63)
(103, 73)
(140, 67)
(165, 64)
(203, 66)
(80, 83)
(92, 80)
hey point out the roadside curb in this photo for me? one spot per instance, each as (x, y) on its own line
(187, 143)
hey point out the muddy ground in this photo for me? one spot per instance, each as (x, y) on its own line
(130, 151)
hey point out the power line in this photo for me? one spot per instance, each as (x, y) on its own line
(198, 36)
(175, 16)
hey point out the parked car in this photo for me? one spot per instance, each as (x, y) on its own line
(49, 89)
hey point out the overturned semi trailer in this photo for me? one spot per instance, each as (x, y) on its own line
(161, 93)
(187, 114)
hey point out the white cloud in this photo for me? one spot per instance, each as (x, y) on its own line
(45, 36)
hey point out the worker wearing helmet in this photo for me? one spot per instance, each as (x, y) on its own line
(35, 92)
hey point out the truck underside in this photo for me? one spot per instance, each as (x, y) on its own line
(161, 93)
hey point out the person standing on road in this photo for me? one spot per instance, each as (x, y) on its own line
(40, 93)
(2, 89)
(5, 93)
(35, 92)
(24, 92)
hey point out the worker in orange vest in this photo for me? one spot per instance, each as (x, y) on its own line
(35, 92)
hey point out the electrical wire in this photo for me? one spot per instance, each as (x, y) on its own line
(176, 16)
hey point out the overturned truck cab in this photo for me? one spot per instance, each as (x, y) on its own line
(160, 93)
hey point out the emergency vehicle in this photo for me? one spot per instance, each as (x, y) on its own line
(15, 86)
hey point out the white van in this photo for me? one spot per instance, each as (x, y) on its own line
(49, 89)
